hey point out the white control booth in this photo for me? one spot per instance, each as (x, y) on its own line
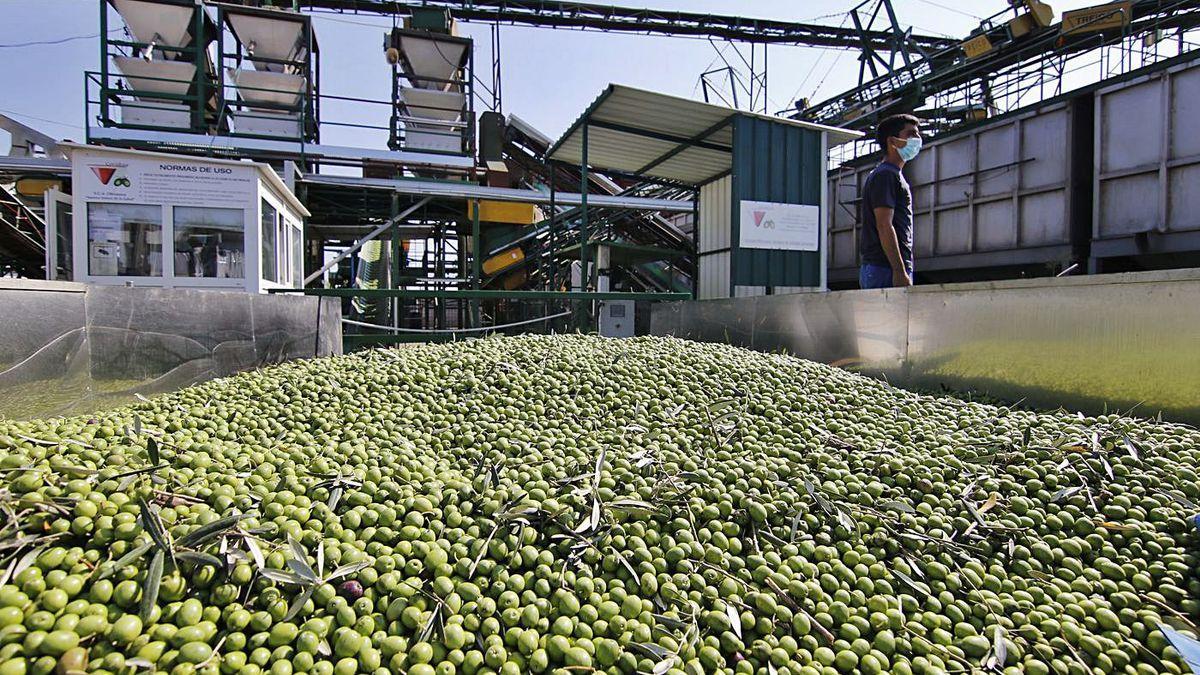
(157, 219)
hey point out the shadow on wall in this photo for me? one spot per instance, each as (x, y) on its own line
(70, 348)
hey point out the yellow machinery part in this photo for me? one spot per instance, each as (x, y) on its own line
(503, 260)
(514, 213)
(515, 280)
(36, 187)
(977, 46)
(1041, 13)
(1101, 17)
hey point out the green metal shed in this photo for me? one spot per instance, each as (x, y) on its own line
(761, 213)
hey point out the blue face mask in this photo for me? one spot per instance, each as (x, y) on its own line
(909, 150)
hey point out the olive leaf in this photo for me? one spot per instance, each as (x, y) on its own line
(255, 552)
(895, 505)
(297, 603)
(654, 650)
(821, 501)
(132, 555)
(999, 651)
(206, 533)
(298, 563)
(920, 588)
(152, 523)
(284, 577)
(1065, 493)
(664, 665)
(199, 558)
(152, 450)
(346, 570)
(20, 565)
(735, 619)
(154, 575)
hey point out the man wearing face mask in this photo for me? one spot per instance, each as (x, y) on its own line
(887, 234)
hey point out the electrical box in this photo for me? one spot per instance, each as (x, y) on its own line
(432, 19)
(616, 318)
(491, 136)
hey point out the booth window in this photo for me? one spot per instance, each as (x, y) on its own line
(298, 257)
(269, 216)
(285, 274)
(124, 240)
(210, 242)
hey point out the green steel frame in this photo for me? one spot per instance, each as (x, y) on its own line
(197, 49)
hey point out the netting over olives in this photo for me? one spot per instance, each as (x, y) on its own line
(568, 504)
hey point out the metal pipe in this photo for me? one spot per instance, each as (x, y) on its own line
(476, 263)
(457, 330)
(361, 242)
(583, 210)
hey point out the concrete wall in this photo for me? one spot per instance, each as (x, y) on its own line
(1125, 341)
(69, 348)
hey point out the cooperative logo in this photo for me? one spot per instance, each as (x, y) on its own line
(105, 175)
(760, 220)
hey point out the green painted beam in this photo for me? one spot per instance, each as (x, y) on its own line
(483, 294)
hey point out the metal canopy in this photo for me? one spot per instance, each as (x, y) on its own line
(660, 136)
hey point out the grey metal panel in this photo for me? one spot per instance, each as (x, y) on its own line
(43, 351)
(952, 231)
(664, 317)
(1045, 139)
(1131, 122)
(997, 147)
(1128, 205)
(1147, 171)
(1083, 346)
(1040, 219)
(1185, 111)
(716, 210)
(1087, 343)
(993, 226)
(999, 187)
(843, 253)
(714, 276)
(864, 329)
(1183, 208)
(923, 236)
(89, 347)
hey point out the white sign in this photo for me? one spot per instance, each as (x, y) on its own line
(780, 227)
(180, 181)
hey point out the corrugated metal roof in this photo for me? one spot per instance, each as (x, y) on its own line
(630, 128)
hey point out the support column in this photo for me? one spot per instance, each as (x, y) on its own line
(584, 232)
(553, 275)
(394, 273)
(476, 263)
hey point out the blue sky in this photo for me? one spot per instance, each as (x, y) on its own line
(549, 76)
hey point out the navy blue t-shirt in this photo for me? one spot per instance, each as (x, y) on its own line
(886, 188)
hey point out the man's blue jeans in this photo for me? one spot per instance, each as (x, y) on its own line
(876, 276)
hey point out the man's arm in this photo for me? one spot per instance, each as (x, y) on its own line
(891, 245)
